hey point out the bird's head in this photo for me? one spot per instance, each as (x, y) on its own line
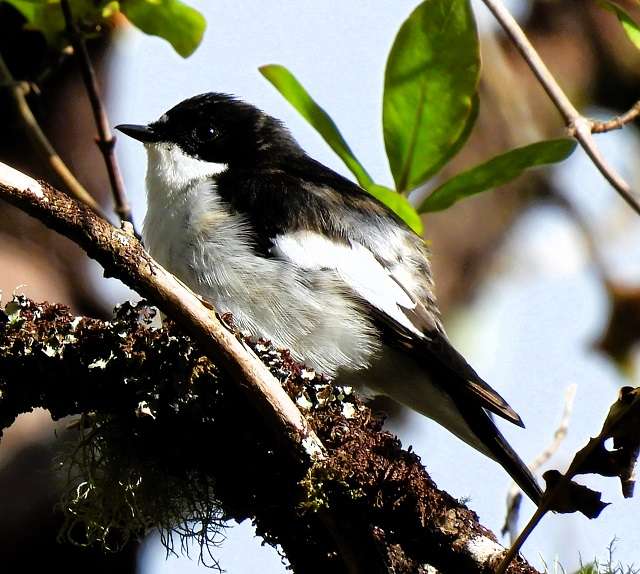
(218, 129)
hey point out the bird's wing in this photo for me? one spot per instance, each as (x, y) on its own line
(329, 216)
(396, 309)
(440, 349)
(355, 265)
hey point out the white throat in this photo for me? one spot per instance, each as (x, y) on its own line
(170, 170)
(178, 186)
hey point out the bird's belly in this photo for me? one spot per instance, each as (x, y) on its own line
(306, 312)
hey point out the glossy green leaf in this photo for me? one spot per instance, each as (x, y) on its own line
(468, 127)
(629, 25)
(430, 85)
(497, 171)
(181, 25)
(295, 93)
(45, 16)
(399, 204)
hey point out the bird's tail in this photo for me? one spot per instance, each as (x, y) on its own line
(496, 447)
(456, 408)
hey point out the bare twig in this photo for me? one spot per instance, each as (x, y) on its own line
(515, 547)
(514, 497)
(616, 123)
(106, 140)
(578, 126)
(561, 494)
(42, 144)
(561, 431)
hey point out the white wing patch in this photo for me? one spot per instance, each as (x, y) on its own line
(355, 265)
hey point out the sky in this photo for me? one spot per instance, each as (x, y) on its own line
(529, 331)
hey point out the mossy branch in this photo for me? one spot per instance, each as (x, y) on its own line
(189, 423)
(162, 444)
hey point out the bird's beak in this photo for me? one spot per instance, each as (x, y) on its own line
(143, 134)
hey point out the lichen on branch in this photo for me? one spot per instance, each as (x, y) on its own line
(163, 443)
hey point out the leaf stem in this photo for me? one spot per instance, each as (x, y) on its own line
(526, 531)
(578, 126)
(41, 142)
(105, 140)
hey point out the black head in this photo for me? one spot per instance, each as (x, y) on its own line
(221, 129)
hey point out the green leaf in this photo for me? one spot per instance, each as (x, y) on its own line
(497, 171)
(430, 84)
(287, 84)
(399, 204)
(629, 25)
(468, 126)
(30, 10)
(179, 24)
(45, 16)
(294, 92)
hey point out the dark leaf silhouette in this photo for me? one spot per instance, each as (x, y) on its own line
(569, 496)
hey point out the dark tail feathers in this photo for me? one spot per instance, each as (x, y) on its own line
(499, 449)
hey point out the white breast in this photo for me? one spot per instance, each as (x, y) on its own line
(189, 230)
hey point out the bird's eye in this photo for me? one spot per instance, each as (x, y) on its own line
(206, 133)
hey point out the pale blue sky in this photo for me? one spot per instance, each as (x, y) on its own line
(530, 329)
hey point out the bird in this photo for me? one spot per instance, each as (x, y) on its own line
(306, 258)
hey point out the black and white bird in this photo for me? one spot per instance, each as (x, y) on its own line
(307, 259)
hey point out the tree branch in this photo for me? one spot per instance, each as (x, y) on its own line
(42, 144)
(365, 502)
(106, 140)
(122, 256)
(163, 404)
(578, 126)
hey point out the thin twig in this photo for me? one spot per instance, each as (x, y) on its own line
(621, 419)
(42, 144)
(618, 122)
(515, 547)
(514, 497)
(561, 431)
(578, 126)
(106, 140)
